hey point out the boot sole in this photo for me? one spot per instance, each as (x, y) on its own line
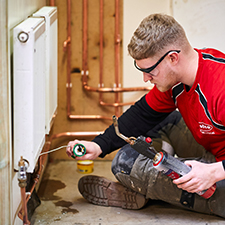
(101, 191)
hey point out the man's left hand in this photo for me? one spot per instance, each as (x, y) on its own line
(201, 177)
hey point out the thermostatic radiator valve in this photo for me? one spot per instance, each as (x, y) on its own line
(22, 172)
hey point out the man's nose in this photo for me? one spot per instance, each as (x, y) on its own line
(147, 77)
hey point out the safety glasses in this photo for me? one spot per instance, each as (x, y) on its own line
(149, 69)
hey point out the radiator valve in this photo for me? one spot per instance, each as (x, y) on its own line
(22, 172)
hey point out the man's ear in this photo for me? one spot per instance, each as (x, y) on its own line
(174, 57)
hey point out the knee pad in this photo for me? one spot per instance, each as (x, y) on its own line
(124, 160)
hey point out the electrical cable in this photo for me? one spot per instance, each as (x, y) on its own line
(53, 150)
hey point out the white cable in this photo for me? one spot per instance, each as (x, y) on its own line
(53, 150)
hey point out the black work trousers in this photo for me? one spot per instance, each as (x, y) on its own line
(136, 171)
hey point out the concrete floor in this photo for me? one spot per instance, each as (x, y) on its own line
(61, 203)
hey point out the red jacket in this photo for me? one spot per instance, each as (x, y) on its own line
(203, 106)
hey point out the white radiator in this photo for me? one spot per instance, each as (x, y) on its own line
(34, 83)
(29, 90)
(50, 15)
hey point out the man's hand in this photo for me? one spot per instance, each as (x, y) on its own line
(93, 150)
(201, 177)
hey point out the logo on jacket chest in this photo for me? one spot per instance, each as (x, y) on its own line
(206, 128)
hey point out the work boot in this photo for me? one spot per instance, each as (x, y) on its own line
(101, 191)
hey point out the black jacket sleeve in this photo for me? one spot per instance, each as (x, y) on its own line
(136, 121)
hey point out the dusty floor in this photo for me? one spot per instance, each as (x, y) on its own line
(61, 203)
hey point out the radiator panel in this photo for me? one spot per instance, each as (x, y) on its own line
(50, 15)
(29, 90)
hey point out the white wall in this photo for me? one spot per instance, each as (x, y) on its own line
(203, 21)
(18, 11)
(5, 137)
(134, 12)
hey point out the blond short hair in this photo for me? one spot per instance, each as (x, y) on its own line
(156, 33)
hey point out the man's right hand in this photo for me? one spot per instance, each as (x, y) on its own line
(93, 150)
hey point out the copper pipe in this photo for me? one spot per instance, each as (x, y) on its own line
(65, 44)
(68, 45)
(24, 217)
(52, 2)
(22, 178)
(35, 180)
(42, 159)
(100, 89)
(117, 56)
(116, 89)
(119, 104)
(84, 61)
(101, 49)
(84, 65)
(75, 134)
(89, 117)
(70, 134)
(85, 38)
